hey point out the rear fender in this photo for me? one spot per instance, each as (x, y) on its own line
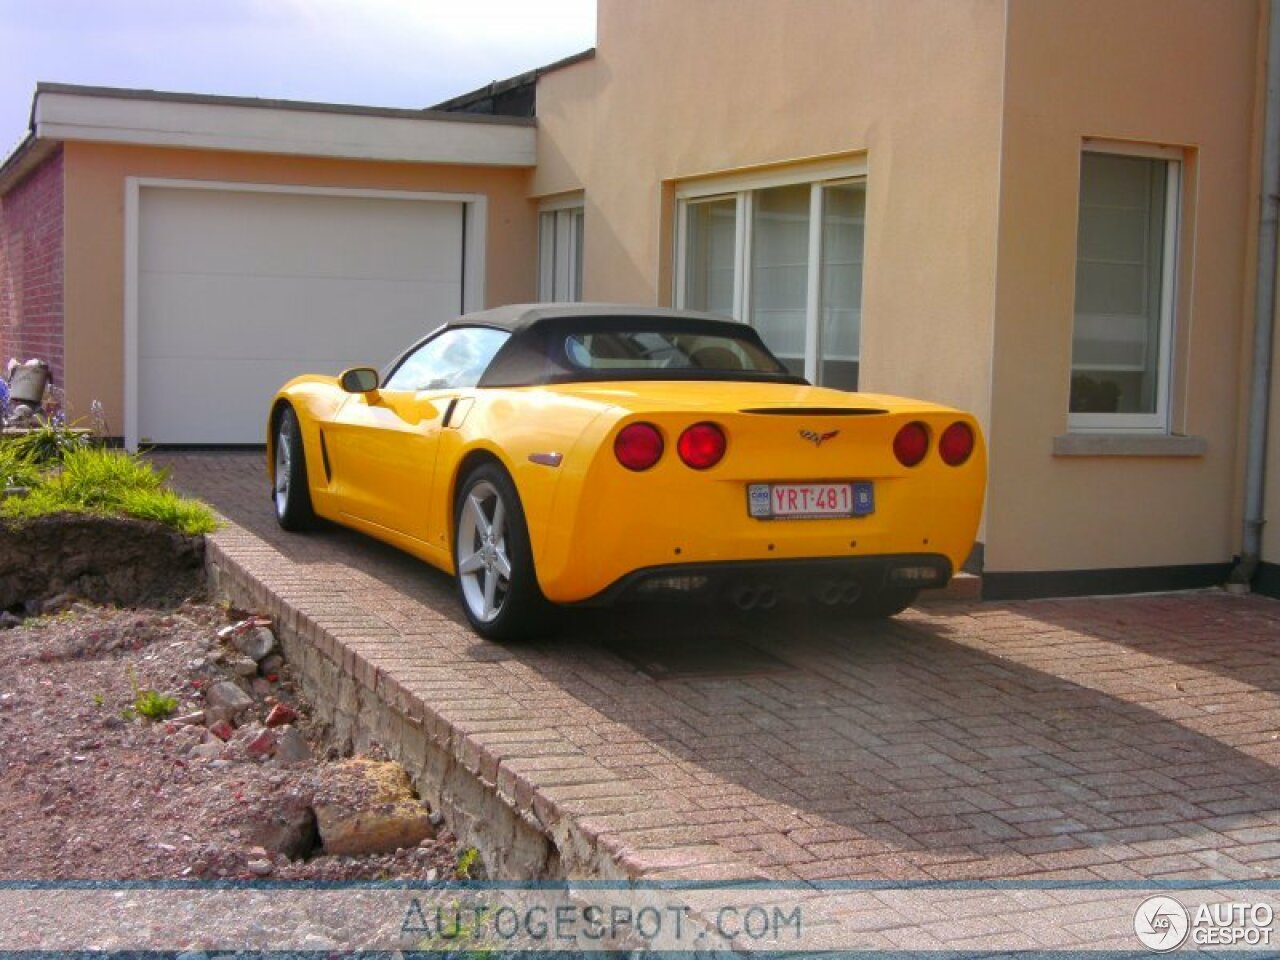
(524, 431)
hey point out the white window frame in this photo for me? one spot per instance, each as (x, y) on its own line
(742, 187)
(558, 261)
(1159, 421)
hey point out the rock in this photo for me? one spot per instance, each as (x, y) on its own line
(243, 666)
(209, 751)
(290, 830)
(260, 868)
(56, 604)
(271, 664)
(195, 719)
(225, 701)
(245, 735)
(222, 730)
(263, 745)
(281, 714)
(291, 746)
(256, 643)
(368, 806)
(9, 621)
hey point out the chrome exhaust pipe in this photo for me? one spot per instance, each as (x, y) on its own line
(828, 592)
(744, 596)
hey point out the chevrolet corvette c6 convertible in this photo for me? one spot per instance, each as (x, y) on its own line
(573, 454)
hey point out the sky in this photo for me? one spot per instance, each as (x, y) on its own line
(385, 53)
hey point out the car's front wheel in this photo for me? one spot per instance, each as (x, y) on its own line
(496, 580)
(289, 490)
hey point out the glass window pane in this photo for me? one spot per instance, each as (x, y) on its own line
(843, 229)
(780, 270)
(456, 358)
(546, 256)
(1120, 265)
(710, 238)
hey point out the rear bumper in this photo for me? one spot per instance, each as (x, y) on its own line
(789, 579)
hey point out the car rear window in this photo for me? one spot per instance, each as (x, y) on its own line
(652, 350)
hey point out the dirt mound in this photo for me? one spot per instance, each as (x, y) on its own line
(49, 561)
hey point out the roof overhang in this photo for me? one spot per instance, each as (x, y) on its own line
(62, 112)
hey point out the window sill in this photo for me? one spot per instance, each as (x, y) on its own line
(1128, 445)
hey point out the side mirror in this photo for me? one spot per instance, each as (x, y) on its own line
(359, 380)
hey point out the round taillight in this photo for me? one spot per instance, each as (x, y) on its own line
(638, 446)
(956, 444)
(701, 446)
(911, 443)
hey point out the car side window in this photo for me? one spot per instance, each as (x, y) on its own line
(455, 359)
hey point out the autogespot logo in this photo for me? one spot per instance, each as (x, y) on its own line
(1161, 923)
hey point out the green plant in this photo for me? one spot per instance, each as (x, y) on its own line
(153, 705)
(51, 440)
(17, 468)
(97, 480)
(148, 703)
(466, 861)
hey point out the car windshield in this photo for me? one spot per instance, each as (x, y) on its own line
(648, 350)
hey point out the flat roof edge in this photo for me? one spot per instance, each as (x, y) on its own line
(303, 106)
(72, 113)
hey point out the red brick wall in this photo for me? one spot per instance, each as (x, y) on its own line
(31, 268)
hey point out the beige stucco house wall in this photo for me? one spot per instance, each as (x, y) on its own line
(680, 91)
(1175, 73)
(969, 118)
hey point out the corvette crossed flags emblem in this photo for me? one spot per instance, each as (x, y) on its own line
(818, 439)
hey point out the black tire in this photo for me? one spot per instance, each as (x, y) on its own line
(500, 606)
(289, 490)
(882, 603)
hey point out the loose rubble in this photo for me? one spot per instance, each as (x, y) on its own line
(237, 782)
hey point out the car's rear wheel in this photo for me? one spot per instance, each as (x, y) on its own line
(882, 603)
(496, 579)
(289, 491)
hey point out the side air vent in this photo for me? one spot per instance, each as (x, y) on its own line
(815, 411)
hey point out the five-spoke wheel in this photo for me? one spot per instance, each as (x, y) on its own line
(496, 579)
(289, 482)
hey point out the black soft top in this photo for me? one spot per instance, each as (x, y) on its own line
(535, 352)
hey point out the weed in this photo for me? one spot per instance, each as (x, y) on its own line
(147, 703)
(466, 861)
(154, 706)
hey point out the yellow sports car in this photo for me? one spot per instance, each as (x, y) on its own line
(569, 454)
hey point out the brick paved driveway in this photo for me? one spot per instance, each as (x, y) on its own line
(1083, 739)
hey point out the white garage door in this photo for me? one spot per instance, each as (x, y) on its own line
(239, 291)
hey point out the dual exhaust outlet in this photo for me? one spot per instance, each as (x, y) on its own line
(763, 596)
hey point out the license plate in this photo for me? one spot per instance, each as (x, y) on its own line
(810, 501)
